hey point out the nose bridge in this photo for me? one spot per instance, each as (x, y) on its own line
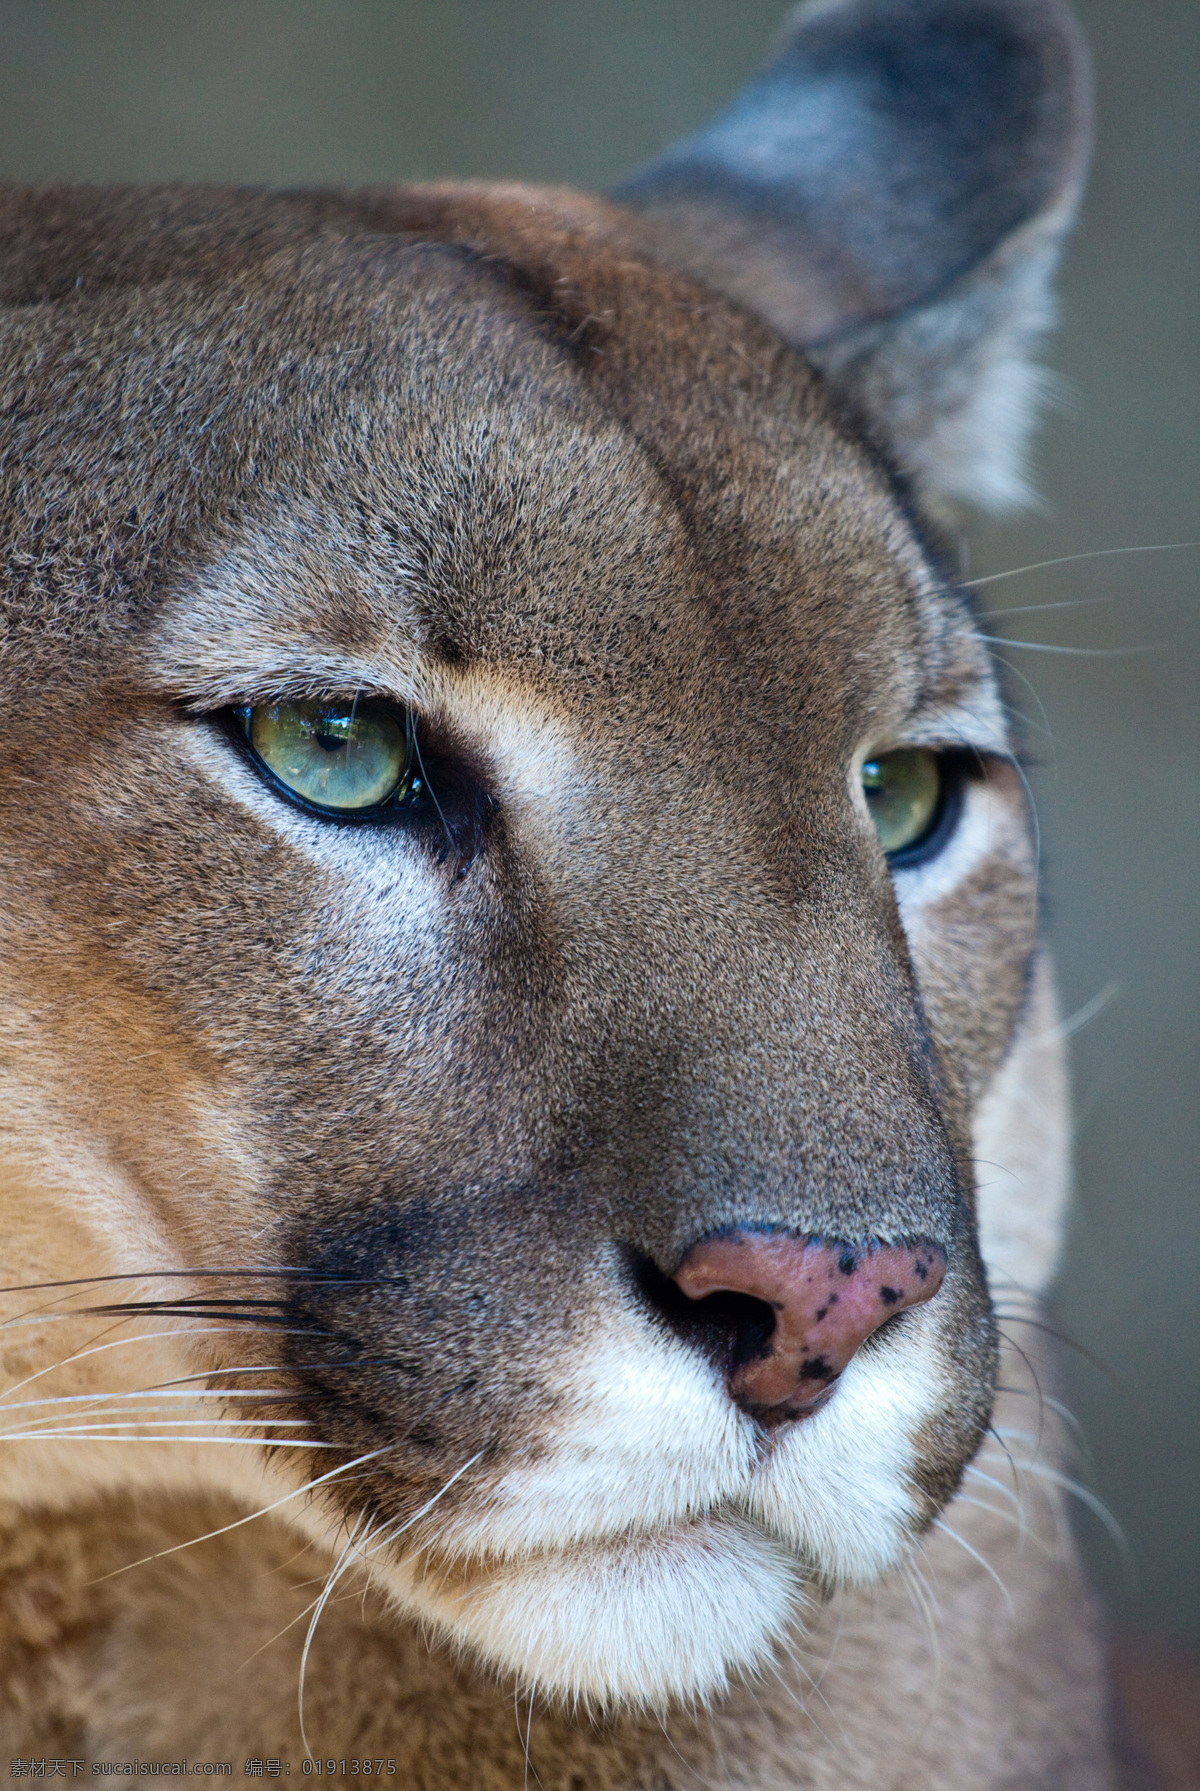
(786, 1079)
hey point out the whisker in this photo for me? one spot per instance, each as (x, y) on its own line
(1006, 1517)
(1045, 728)
(1032, 609)
(356, 1554)
(990, 1480)
(118, 1343)
(976, 1556)
(1043, 1471)
(107, 1419)
(430, 1503)
(317, 1579)
(339, 1568)
(230, 1312)
(157, 1394)
(1079, 1442)
(265, 1431)
(280, 1367)
(1025, 721)
(1083, 1016)
(263, 1511)
(529, 1766)
(1033, 816)
(1070, 559)
(1068, 1342)
(259, 1273)
(999, 1436)
(1006, 640)
(926, 1608)
(87, 1436)
(428, 786)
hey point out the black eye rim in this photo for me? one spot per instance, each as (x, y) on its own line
(957, 766)
(236, 720)
(450, 809)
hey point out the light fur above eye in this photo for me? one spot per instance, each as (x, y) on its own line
(343, 755)
(906, 793)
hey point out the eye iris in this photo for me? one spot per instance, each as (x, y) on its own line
(338, 755)
(903, 791)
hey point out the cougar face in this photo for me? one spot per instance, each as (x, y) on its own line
(522, 1096)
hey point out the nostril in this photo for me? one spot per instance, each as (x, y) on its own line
(783, 1315)
(732, 1329)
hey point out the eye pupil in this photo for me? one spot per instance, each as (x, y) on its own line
(347, 758)
(904, 792)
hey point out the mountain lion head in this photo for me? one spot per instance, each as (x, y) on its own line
(520, 902)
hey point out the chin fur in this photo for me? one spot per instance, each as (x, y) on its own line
(644, 1621)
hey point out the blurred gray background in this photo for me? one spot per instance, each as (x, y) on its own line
(579, 91)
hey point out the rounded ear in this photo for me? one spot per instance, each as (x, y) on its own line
(891, 195)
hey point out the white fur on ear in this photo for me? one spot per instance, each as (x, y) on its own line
(956, 381)
(891, 194)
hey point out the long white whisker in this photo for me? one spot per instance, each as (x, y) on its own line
(112, 1419)
(428, 1506)
(976, 1556)
(263, 1511)
(1034, 817)
(926, 1608)
(154, 1394)
(990, 1480)
(1015, 1518)
(206, 1374)
(334, 1576)
(1083, 1016)
(529, 1766)
(98, 1349)
(101, 1436)
(1070, 559)
(1042, 1471)
(1046, 729)
(1033, 609)
(321, 1579)
(1006, 640)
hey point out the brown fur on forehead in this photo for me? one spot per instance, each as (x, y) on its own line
(656, 390)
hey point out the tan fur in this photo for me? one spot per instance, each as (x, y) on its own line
(343, 1167)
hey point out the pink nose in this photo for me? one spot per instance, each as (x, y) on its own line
(827, 1300)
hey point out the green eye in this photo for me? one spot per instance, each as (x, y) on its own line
(344, 755)
(904, 795)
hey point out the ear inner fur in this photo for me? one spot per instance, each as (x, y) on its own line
(892, 194)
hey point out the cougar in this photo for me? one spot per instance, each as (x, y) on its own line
(533, 1107)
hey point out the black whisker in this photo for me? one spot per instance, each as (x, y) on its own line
(311, 1277)
(1037, 1384)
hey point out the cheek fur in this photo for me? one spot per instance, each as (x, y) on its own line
(1022, 1151)
(971, 922)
